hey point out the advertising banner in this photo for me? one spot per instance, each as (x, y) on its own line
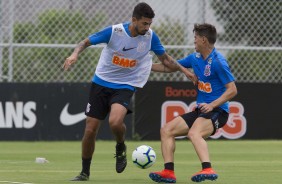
(55, 111)
(52, 111)
(254, 112)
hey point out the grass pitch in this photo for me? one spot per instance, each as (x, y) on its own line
(236, 162)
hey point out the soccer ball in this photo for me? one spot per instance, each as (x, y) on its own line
(144, 156)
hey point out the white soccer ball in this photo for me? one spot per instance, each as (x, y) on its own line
(144, 156)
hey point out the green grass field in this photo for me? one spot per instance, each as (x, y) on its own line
(236, 162)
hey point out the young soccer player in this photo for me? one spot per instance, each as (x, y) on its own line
(215, 88)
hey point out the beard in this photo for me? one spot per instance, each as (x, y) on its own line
(139, 32)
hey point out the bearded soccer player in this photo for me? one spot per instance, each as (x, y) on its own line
(124, 65)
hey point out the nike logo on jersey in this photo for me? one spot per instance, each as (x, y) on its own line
(68, 119)
(124, 49)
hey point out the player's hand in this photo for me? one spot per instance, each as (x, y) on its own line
(192, 77)
(205, 108)
(69, 61)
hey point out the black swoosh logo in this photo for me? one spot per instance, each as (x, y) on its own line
(124, 49)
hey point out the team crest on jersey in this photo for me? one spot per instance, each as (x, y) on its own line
(207, 71)
(141, 47)
(88, 107)
(118, 31)
(148, 34)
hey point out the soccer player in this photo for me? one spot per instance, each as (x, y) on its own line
(216, 87)
(124, 65)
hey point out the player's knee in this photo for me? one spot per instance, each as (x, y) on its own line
(92, 126)
(116, 125)
(192, 134)
(89, 134)
(165, 131)
(90, 131)
(116, 120)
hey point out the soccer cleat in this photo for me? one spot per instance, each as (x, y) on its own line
(205, 174)
(81, 177)
(121, 160)
(164, 176)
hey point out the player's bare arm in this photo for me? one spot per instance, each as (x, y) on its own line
(170, 65)
(74, 56)
(169, 62)
(159, 67)
(231, 91)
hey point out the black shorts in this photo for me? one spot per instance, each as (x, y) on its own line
(218, 116)
(101, 98)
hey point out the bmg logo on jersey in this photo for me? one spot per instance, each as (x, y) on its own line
(17, 114)
(124, 62)
(204, 86)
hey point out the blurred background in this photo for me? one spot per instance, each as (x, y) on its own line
(37, 35)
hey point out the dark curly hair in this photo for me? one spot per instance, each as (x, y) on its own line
(143, 10)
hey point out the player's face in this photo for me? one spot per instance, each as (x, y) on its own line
(142, 25)
(198, 42)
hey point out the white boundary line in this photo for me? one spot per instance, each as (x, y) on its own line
(14, 182)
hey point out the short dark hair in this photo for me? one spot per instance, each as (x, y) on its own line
(206, 30)
(143, 10)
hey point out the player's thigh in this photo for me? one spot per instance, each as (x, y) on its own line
(175, 127)
(98, 102)
(202, 126)
(92, 125)
(122, 97)
(117, 113)
(120, 103)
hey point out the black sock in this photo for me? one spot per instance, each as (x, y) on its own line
(169, 166)
(206, 165)
(120, 146)
(86, 165)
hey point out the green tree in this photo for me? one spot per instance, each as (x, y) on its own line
(53, 27)
(251, 22)
(257, 66)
